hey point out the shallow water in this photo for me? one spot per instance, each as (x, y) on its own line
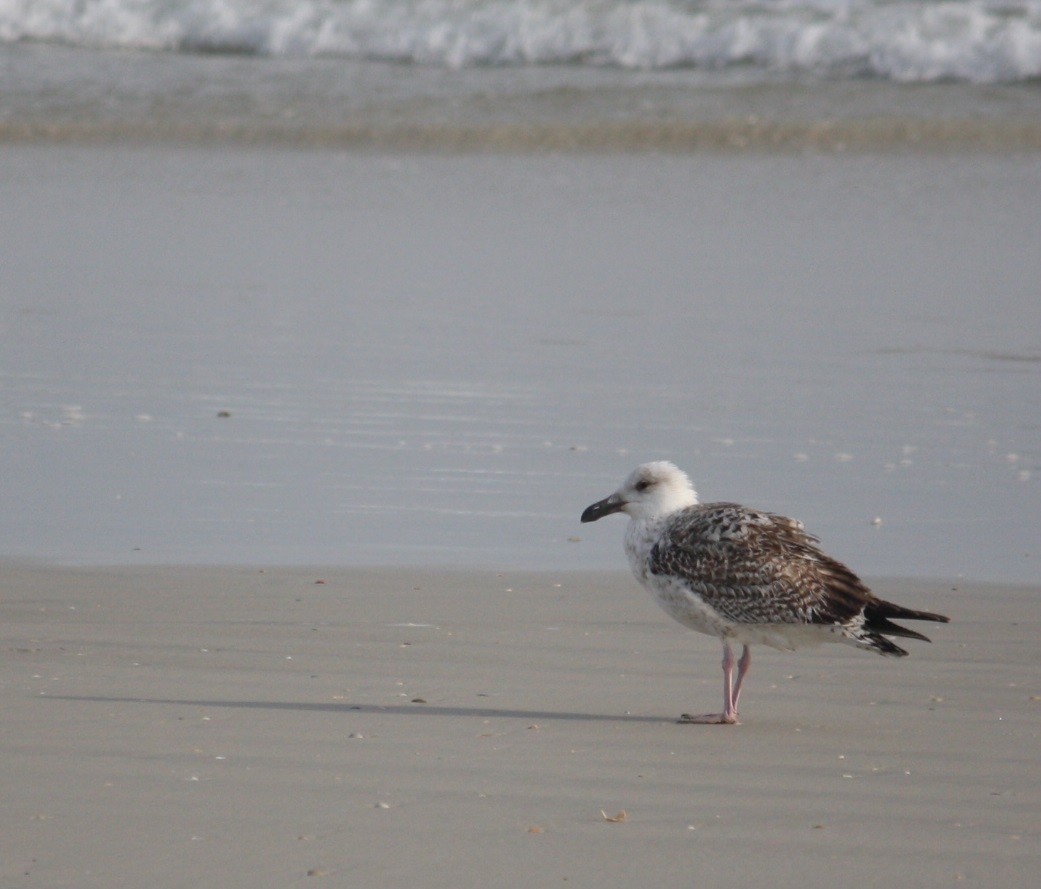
(59, 94)
(443, 360)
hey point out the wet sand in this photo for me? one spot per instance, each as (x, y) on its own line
(338, 358)
(251, 728)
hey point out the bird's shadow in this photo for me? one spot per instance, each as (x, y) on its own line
(415, 709)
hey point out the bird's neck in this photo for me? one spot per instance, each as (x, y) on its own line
(640, 536)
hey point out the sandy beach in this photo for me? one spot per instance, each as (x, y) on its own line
(400, 288)
(240, 727)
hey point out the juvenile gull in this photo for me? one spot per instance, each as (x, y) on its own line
(745, 576)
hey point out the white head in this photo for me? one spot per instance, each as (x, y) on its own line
(651, 491)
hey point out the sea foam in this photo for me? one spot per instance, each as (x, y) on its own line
(984, 41)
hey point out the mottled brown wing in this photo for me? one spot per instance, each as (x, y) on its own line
(756, 567)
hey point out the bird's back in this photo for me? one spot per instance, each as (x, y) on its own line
(753, 567)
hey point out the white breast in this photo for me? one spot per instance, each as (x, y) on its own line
(683, 606)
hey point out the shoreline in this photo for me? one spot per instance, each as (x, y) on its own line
(887, 135)
(321, 570)
(73, 96)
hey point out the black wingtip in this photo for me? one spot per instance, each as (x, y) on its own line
(881, 609)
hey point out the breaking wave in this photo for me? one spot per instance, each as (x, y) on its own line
(979, 41)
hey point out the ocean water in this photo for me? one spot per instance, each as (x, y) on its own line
(522, 75)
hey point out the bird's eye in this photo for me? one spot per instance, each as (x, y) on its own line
(643, 485)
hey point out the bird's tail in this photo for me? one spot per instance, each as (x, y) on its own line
(878, 624)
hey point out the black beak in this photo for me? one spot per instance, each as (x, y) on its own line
(598, 510)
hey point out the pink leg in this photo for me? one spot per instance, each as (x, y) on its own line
(742, 668)
(730, 693)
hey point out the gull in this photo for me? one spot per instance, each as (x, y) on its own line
(745, 576)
